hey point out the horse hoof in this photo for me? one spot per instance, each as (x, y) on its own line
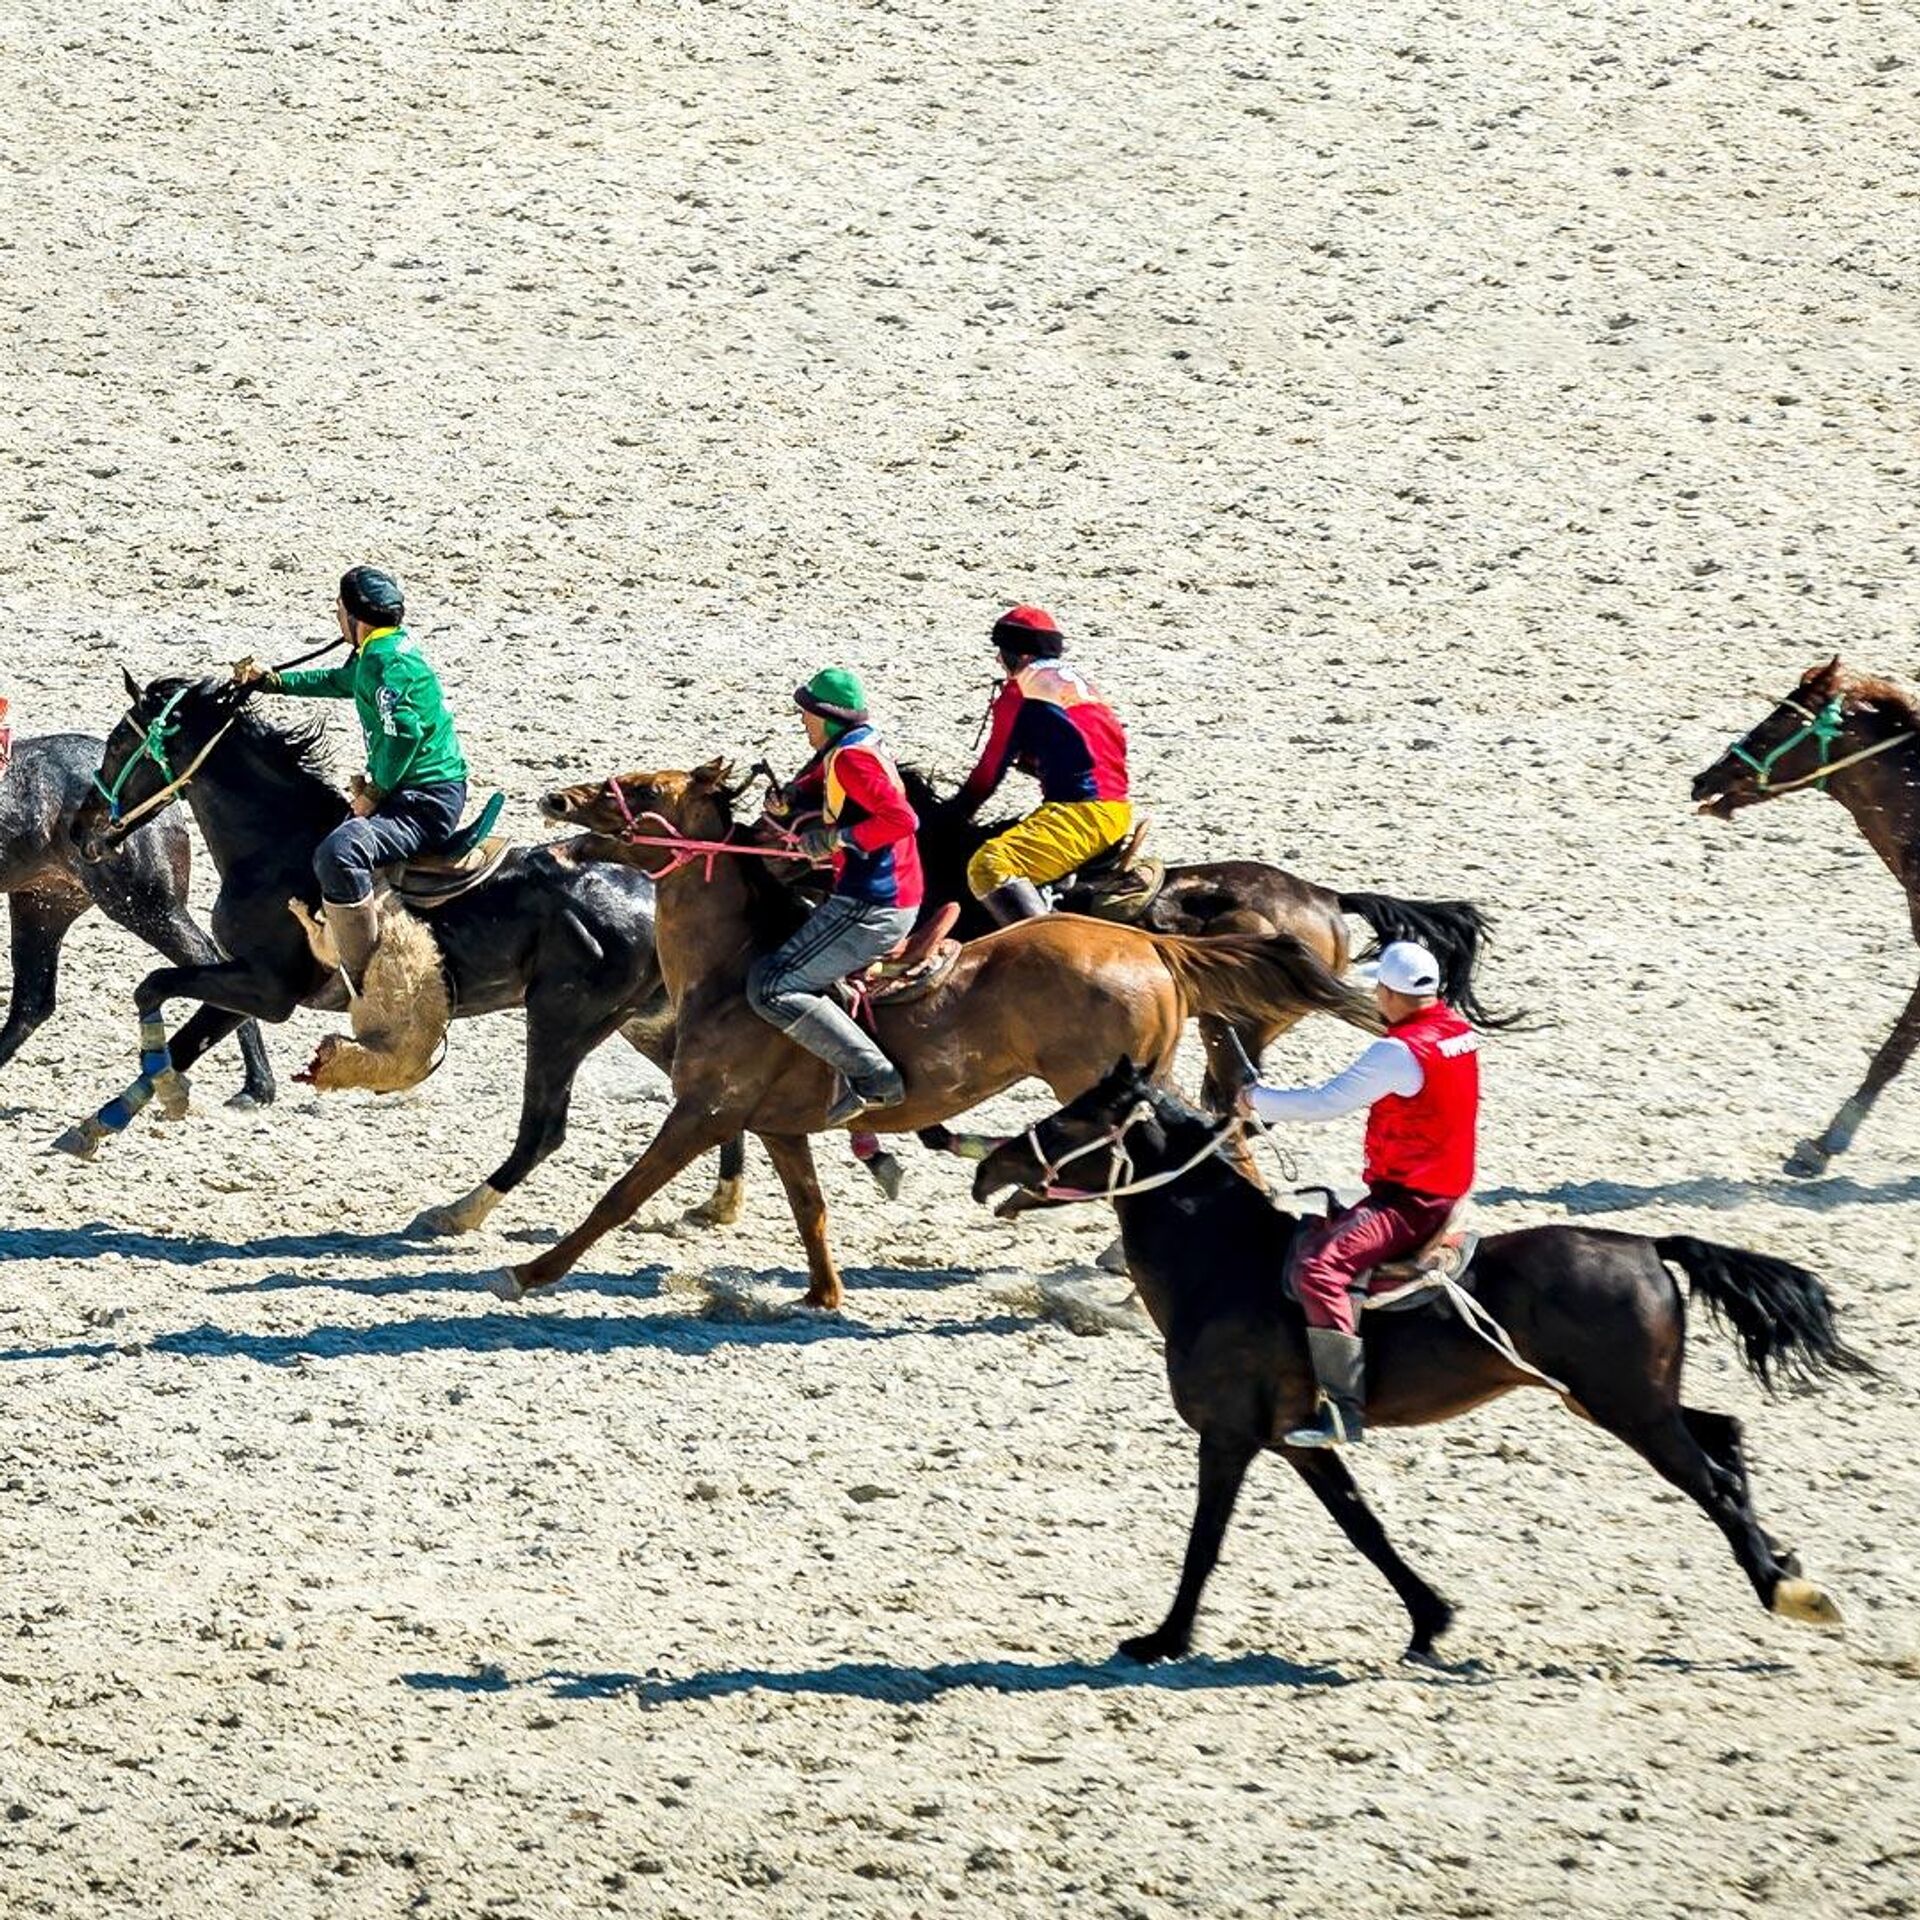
(503, 1286)
(1801, 1600)
(248, 1101)
(436, 1223)
(889, 1173)
(721, 1208)
(78, 1142)
(1808, 1160)
(1112, 1258)
(1149, 1649)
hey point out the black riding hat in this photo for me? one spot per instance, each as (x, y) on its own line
(370, 595)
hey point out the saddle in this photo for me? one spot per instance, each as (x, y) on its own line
(1423, 1274)
(1121, 883)
(457, 866)
(911, 970)
(1421, 1277)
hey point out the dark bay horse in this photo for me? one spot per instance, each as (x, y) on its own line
(49, 886)
(1857, 739)
(1232, 896)
(572, 941)
(1051, 999)
(1597, 1311)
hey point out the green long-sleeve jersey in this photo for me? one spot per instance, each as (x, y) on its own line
(410, 736)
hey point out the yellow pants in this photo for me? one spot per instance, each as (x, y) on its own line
(1057, 837)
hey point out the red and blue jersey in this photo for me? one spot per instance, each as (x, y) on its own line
(858, 789)
(1050, 721)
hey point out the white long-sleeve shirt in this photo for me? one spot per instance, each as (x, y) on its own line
(1388, 1066)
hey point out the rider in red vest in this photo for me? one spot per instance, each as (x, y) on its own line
(1420, 1084)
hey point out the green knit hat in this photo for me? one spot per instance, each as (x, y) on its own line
(834, 694)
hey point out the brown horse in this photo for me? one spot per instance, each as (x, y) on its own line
(1052, 999)
(1857, 739)
(1593, 1315)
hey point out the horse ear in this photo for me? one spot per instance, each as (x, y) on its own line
(135, 691)
(713, 773)
(1817, 676)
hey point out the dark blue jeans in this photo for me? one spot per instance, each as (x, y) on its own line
(409, 821)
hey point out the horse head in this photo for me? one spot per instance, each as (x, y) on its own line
(1122, 1111)
(169, 728)
(696, 802)
(1785, 751)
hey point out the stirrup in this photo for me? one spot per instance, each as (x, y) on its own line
(1332, 1426)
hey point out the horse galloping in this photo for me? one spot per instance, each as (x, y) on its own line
(571, 940)
(49, 886)
(1596, 1312)
(1856, 738)
(1051, 999)
(1232, 896)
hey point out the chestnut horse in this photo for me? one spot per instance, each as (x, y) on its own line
(1858, 739)
(1051, 999)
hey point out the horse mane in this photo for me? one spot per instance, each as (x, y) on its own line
(1879, 691)
(773, 909)
(302, 747)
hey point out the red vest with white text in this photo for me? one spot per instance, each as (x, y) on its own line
(1425, 1140)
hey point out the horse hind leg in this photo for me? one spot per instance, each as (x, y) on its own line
(1699, 1452)
(40, 922)
(1811, 1157)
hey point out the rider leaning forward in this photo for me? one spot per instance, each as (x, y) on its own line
(415, 787)
(1420, 1085)
(866, 829)
(1048, 720)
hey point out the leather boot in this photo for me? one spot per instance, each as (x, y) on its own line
(1014, 900)
(866, 1078)
(1340, 1366)
(355, 927)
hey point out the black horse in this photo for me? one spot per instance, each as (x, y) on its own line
(570, 940)
(49, 886)
(1229, 896)
(1596, 1311)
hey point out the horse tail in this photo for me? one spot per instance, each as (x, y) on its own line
(1260, 978)
(1453, 931)
(1781, 1313)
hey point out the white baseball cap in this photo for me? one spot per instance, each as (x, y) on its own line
(1406, 967)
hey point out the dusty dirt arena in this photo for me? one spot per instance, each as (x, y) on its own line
(1438, 427)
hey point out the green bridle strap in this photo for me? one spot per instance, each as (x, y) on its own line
(153, 747)
(1824, 728)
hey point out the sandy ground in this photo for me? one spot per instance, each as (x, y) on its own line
(1439, 427)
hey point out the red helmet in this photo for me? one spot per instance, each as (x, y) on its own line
(1028, 631)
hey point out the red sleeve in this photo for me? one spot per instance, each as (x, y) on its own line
(998, 750)
(809, 785)
(864, 779)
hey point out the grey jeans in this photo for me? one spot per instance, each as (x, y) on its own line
(793, 985)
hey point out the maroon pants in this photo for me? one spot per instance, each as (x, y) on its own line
(1332, 1255)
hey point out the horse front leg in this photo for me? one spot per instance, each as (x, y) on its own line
(1223, 1466)
(1333, 1486)
(691, 1128)
(230, 991)
(792, 1157)
(1811, 1157)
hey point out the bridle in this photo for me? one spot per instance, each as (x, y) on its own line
(1823, 728)
(1120, 1177)
(153, 746)
(684, 849)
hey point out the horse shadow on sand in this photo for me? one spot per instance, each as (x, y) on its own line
(1713, 1191)
(702, 1330)
(895, 1684)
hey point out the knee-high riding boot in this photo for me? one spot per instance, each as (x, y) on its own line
(1014, 900)
(1340, 1365)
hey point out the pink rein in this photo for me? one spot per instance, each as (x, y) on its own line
(686, 851)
